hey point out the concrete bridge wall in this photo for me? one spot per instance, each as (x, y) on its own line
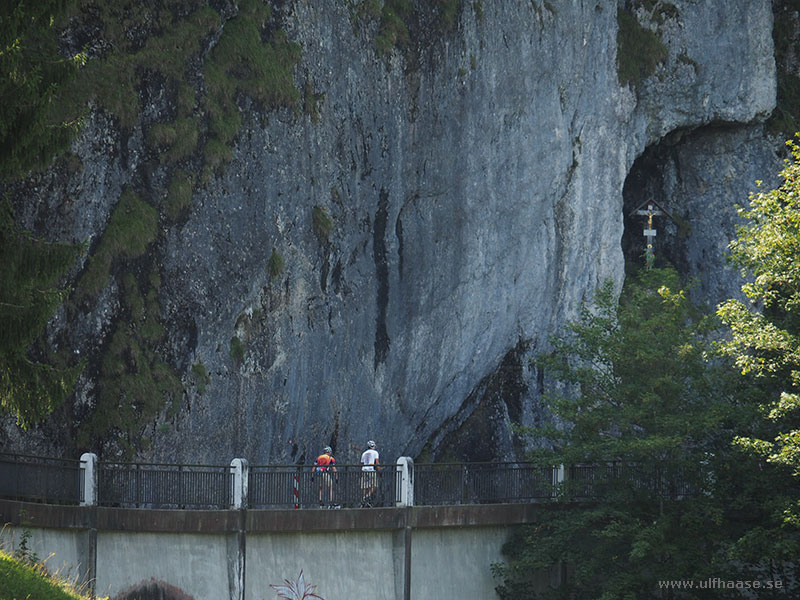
(383, 554)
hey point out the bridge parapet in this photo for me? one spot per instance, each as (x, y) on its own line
(90, 482)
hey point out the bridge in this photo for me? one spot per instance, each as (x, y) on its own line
(213, 532)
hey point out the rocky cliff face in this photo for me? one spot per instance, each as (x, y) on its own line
(386, 269)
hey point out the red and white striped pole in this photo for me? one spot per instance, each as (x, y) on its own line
(296, 490)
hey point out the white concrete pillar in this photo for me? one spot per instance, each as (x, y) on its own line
(240, 475)
(559, 480)
(89, 478)
(405, 465)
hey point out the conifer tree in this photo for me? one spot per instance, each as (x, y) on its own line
(643, 423)
(31, 74)
(32, 71)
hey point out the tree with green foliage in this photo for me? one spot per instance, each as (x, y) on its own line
(30, 271)
(765, 336)
(31, 74)
(32, 71)
(669, 496)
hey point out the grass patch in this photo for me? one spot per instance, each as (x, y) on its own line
(247, 60)
(201, 377)
(19, 579)
(448, 11)
(187, 133)
(395, 18)
(133, 226)
(242, 63)
(393, 31)
(237, 350)
(639, 50)
(276, 264)
(368, 9)
(113, 81)
(161, 135)
(321, 223)
(217, 155)
(134, 382)
(179, 195)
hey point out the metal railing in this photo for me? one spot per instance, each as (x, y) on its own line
(483, 483)
(587, 481)
(151, 485)
(301, 486)
(39, 479)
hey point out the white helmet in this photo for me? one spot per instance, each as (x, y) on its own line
(327, 450)
(370, 444)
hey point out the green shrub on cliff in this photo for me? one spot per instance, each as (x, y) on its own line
(321, 222)
(276, 264)
(133, 226)
(639, 50)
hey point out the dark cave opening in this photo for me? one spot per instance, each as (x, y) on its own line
(645, 190)
(699, 178)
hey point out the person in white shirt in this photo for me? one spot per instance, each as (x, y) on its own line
(370, 465)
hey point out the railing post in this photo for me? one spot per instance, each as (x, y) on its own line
(463, 483)
(406, 466)
(296, 487)
(181, 488)
(559, 480)
(240, 476)
(89, 476)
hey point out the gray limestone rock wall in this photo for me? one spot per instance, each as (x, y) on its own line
(475, 190)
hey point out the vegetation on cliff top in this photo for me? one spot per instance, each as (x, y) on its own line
(209, 62)
(639, 50)
(396, 18)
